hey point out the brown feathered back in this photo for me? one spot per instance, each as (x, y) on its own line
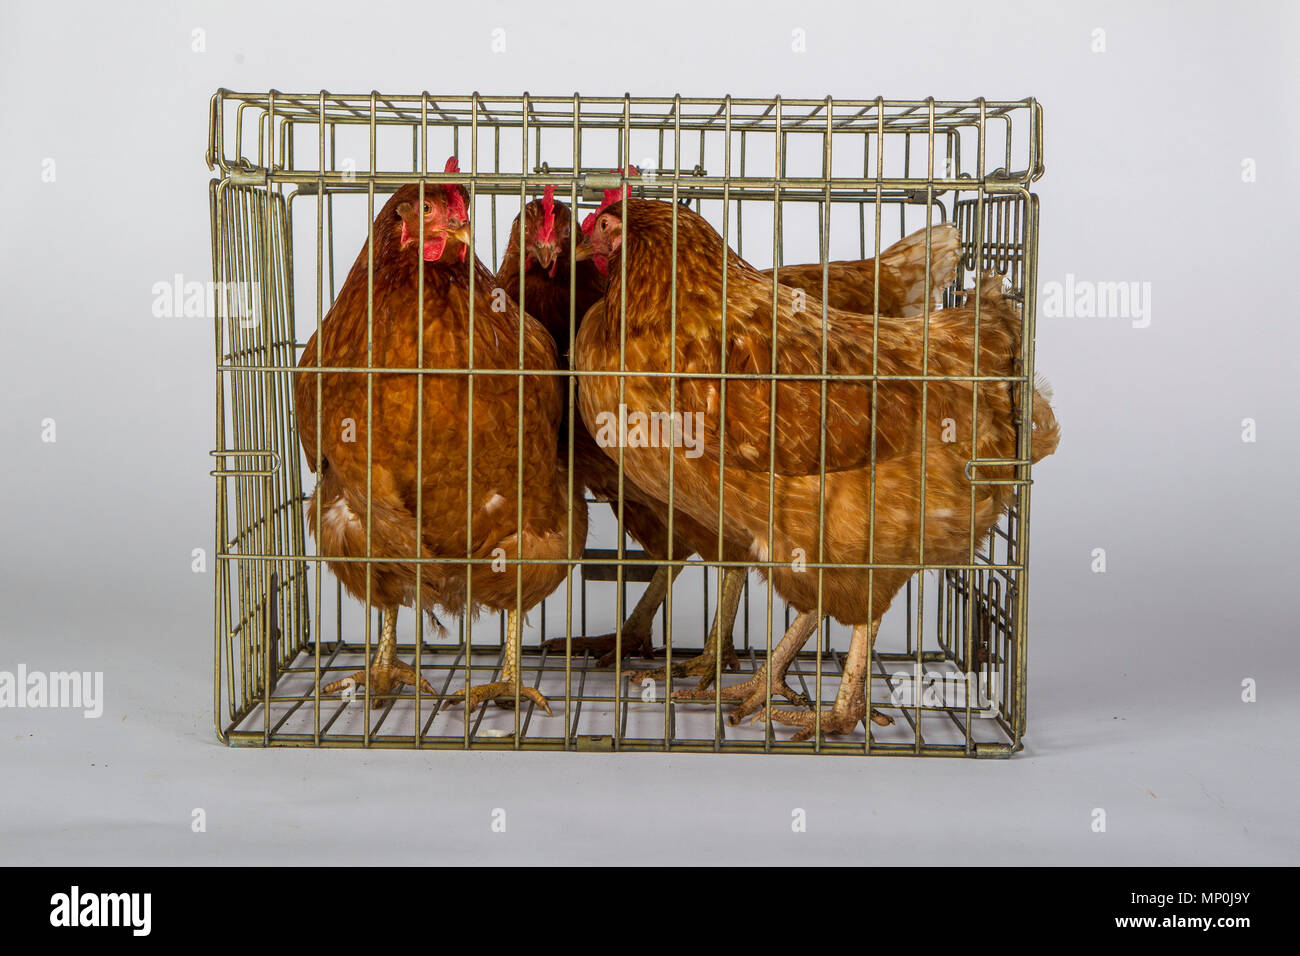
(850, 345)
(903, 276)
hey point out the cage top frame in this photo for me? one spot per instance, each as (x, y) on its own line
(674, 115)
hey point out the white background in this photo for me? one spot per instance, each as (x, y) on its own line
(1136, 674)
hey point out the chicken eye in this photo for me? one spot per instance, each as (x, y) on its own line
(428, 208)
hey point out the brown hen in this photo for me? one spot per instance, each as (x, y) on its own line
(413, 500)
(546, 226)
(905, 280)
(926, 509)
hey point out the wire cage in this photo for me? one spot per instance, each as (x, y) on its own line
(298, 180)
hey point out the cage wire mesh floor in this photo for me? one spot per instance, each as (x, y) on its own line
(608, 710)
(598, 717)
(299, 177)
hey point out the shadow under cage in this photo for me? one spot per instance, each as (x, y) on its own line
(299, 180)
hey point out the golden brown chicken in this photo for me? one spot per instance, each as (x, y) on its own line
(421, 498)
(546, 226)
(893, 441)
(905, 280)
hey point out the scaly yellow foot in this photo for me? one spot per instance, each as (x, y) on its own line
(703, 666)
(385, 679)
(503, 692)
(838, 720)
(750, 696)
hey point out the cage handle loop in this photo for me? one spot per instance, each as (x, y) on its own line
(970, 466)
(245, 472)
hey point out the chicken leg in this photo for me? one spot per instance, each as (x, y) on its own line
(637, 629)
(851, 701)
(719, 643)
(504, 689)
(752, 695)
(387, 673)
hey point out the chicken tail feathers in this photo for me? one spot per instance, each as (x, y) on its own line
(1047, 431)
(906, 260)
(1000, 334)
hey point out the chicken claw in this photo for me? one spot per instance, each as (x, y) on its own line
(704, 666)
(638, 629)
(851, 700)
(503, 690)
(638, 640)
(719, 644)
(500, 691)
(832, 722)
(387, 673)
(383, 680)
(751, 695)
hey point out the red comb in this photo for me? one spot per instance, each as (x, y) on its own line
(546, 233)
(611, 196)
(455, 199)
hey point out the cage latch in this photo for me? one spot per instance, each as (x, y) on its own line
(248, 177)
(594, 185)
(246, 454)
(975, 463)
(1001, 181)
